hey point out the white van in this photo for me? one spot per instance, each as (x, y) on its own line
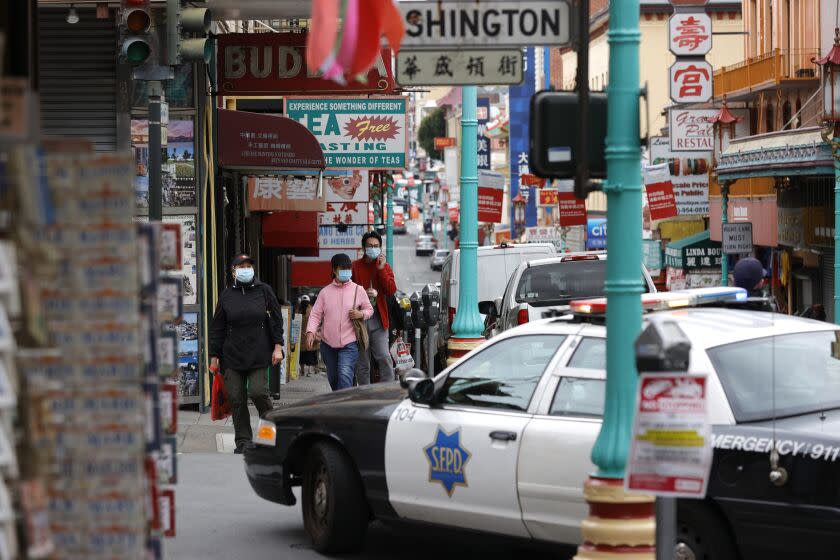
(495, 266)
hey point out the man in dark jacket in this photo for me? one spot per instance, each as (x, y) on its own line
(246, 335)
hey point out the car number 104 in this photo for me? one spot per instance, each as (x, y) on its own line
(406, 414)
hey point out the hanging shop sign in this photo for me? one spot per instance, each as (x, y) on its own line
(660, 192)
(275, 64)
(671, 450)
(487, 24)
(572, 209)
(348, 213)
(737, 238)
(596, 233)
(344, 185)
(251, 140)
(482, 117)
(696, 251)
(548, 197)
(691, 81)
(691, 130)
(442, 142)
(355, 132)
(271, 193)
(491, 193)
(459, 67)
(690, 34)
(689, 175)
(519, 103)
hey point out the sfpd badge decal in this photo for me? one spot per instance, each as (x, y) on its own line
(447, 460)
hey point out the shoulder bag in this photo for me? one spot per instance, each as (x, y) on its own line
(359, 326)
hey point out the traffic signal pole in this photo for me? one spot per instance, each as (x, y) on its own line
(620, 525)
(155, 182)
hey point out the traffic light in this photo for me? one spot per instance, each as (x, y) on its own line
(187, 20)
(135, 26)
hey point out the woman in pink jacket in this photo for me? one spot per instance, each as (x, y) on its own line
(330, 321)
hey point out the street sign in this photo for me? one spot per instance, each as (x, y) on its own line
(691, 81)
(572, 209)
(690, 34)
(461, 67)
(671, 451)
(737, 238)
(486, 24)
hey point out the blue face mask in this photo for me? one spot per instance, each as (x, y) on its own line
(244, 275)
(344, 275)
(373, 252)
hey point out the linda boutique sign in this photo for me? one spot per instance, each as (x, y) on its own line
(354, 132)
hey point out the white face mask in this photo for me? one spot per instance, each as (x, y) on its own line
(244, 275)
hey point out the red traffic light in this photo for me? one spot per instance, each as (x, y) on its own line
(138, 21)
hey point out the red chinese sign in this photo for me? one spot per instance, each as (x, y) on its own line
(442, 142)
(491, 194)
(660, 192)
(275, 64)
(691, 81)
(548, 197)
(572, 209)
(530, 180)
(690, 34)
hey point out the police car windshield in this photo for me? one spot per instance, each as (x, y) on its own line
(807, 375)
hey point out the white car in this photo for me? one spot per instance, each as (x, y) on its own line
(500, 442)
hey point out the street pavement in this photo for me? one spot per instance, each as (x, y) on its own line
(218, 516)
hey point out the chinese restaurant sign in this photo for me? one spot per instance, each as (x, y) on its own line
(354, 132)
(691, 81)
(690, 34)
(467, 67)
(251, 140)
(691, 130)
(283, 192)
(275, 64)
(689, 175)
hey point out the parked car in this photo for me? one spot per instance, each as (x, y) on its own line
(400, 227)
(501, 441)
(545, 287)
(495, 265)
(438, 259)
(425, 245)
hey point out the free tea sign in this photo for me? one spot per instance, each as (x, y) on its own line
(353, 132)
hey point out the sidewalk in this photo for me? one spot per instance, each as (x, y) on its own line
(197, 433)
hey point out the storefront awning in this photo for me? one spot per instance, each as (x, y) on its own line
(800, 152)
(254, 141)
(694, 251)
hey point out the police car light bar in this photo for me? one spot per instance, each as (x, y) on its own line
(667, 300)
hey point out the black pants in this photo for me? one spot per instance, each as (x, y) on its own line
(240, 386)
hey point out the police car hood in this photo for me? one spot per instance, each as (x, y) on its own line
(356, 397)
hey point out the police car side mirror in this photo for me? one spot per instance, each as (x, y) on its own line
(421, 391)
(487, 308)
(412, 374)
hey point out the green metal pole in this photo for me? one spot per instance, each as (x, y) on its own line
(724, 219)
(836, 230)
(624, 239)
(389, 224)
(467, 322)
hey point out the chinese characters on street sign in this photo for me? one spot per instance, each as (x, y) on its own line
(690, 34)
(482, 116)
(660, 192)
(284, 191)
(488, 24)
(461, 67)
(691, 81)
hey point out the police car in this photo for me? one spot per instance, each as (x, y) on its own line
(500, 442)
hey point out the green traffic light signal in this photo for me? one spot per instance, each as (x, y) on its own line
(136, 50)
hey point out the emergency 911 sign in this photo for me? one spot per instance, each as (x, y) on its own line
(671, 450)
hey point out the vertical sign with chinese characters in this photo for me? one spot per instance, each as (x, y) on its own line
(520, 104)
(690, 39)
(483, 116)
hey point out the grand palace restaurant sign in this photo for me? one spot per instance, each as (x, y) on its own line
(259, 64)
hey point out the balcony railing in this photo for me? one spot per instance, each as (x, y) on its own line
(765, 71)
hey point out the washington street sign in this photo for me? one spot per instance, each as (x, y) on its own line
(486, 24)
(461, 67)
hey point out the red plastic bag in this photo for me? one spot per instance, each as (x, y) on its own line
(219, 403)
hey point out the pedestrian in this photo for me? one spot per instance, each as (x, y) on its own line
(374, 274)
(246, 337)
(308, 354)
(338, 304)
(749, 275)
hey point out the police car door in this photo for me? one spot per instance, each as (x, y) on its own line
(455, 463)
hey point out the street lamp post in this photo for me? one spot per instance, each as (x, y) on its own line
(467, 326)
(831, 113)
(620, 525)
(519, 204)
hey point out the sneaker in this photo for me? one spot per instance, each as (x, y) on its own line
(240, 448)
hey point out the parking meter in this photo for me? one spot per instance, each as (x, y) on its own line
(405, 306)
(418, 316)
(431, 304)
